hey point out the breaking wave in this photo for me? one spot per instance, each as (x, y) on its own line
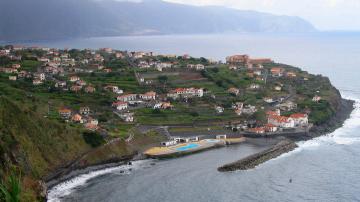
(66, 188)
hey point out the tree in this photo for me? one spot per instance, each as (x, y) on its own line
(94, 139)
(163, 79)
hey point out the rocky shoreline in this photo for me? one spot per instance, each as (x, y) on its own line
(342, 114)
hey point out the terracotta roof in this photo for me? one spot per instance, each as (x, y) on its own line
(298, 115)
(64, 110)
(280, 119)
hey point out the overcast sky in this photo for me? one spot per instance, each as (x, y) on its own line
(324, 14)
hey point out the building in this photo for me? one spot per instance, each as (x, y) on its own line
(60, 84)
(40, 76)
(169, 143)
(12, 78)
(127, 98)
(37, 82)
(84, 110)
(77, 118)
(277, 72)
(186, 93)
(281, 121)
(249, 109)
(277, 88)
(148, 96)
(276, 112)
(268, 100)
(196, 66)
(127, 117)
(64, 113)
(316, 98)
(219, 109)
(163, 105)
(271, 128)
(90, 89)
(234, 91)
(300, 119)
(254, 86)
(291, 74)
(237, 59)
(120, 105)
(75, 88)
(74, 78)
(258, 130)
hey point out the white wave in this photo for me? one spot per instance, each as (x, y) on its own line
(341, 136)
(66, 188)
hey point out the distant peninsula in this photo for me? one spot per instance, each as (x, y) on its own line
(23, 20)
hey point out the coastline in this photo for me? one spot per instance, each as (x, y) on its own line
(342, 114)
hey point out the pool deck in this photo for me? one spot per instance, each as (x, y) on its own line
(188, 148)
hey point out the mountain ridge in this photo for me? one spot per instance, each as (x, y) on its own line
(51, 19)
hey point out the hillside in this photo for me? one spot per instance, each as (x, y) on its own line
(33, 143)
(53, 19)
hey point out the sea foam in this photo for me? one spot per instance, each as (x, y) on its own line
(66, 188)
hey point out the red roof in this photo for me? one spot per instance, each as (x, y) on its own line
(119, 103)
(280, 119)
(298, 115)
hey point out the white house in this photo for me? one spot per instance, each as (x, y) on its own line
(281, 121)
(120, 105)
(148, 96)
(300, 119)
(127, 98)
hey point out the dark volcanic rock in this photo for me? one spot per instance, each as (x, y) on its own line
(259, 158)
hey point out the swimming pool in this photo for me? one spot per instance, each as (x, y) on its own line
(188, 147)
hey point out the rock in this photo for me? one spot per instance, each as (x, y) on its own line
(259, 158)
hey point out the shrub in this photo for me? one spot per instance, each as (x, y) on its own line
(94, 139)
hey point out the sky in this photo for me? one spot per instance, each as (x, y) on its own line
(323, 14)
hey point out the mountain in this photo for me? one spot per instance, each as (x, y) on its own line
(56, 19)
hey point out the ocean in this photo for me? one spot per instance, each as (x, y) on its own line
(323, 169)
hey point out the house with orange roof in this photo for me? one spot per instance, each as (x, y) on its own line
(77, 118)
(271, 128)
(281, 121)
(64, 113)
(273, 113)
(277, 71)
(300, 119)
(120, 105)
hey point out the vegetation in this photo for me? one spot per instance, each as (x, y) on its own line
(10, 189)
(93, 138)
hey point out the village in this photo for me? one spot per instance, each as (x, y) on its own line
(110, 91)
